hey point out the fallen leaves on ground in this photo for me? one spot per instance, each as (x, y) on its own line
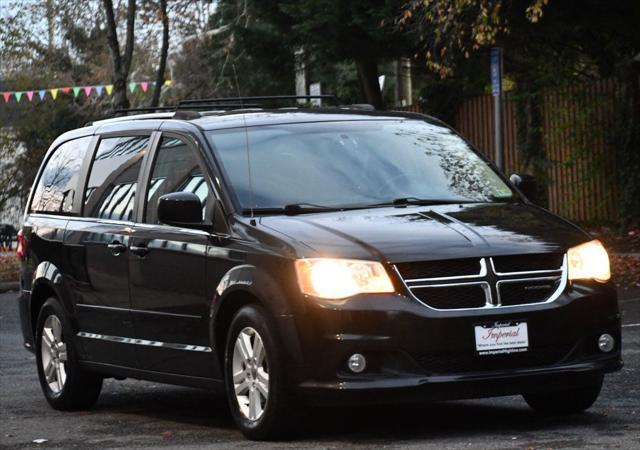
(627, 241)
(9, 267)
(625, 270)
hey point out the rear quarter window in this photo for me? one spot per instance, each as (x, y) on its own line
(57, 186)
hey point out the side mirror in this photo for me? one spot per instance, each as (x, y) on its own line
(180, 208)
(526, 184)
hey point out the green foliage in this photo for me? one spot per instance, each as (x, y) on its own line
(624, 139)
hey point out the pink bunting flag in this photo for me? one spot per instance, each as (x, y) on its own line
(144, 85)
(7, 96)
(30, 95)
(87, 90)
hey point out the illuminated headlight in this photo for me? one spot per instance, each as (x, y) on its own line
(340, 278)
(589, 261)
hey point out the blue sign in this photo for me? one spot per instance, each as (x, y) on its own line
(496, 71)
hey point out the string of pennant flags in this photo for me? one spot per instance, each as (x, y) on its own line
(88, 91)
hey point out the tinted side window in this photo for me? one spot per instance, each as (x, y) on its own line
(175, 169)
(58, 184)
(111, 189)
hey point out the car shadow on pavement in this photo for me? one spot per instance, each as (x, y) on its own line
(176, 407)
(433, 420)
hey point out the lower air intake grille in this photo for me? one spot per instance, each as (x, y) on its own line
(446, 363)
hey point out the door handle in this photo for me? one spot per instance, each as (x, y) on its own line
(117, 248)
(140, 250)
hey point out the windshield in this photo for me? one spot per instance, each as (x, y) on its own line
(353, 164)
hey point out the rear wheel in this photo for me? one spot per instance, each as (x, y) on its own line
(64, 384)
(259, 397)
(566, 401)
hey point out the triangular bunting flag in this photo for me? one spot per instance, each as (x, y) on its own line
(65, 90)
(87, 90)
(7, 96)
(30, 95)
(18, 95)
(144, 85)
(54, 93)
(76, 91)
(99, 90)
(168, 82)
(109, 88)
(132, 87)
(42, 93)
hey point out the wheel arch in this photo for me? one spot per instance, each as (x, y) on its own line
(244, 285)
(47, 283)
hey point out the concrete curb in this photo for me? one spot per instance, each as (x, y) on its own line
(9, 286)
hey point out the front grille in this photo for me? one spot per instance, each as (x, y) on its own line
(485, 282)
(528, 263)
(439, 269)
(452, 297)
(462, 362)
(526, 291)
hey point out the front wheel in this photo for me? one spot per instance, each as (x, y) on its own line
(259, 397)
(566, 401)
(64, 384)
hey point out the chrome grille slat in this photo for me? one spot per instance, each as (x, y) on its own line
(493, 283)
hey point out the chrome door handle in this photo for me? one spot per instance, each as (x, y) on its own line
(117, 248)
(140, 250)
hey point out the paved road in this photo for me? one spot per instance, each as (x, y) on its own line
(135, 414)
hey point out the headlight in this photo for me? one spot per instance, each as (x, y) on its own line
(340, 278)
(589, 261)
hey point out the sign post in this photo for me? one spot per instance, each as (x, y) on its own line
(496, 91)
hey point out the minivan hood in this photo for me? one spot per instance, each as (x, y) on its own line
(419, 233)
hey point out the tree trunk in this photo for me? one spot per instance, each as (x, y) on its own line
(163, 54)
(368, 77)
(120, 100)
(121, 63)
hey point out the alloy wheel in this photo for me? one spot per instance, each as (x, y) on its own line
(250, 374)
(53, 352)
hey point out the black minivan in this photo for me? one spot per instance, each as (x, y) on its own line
(304, 256)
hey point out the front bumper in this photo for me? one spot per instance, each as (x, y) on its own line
(417, 353)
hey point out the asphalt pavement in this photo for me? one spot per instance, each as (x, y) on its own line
(138, 414)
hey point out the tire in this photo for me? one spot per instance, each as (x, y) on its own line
(65, 385)
(258, 416)
(568, 401)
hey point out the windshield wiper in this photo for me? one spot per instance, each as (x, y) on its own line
(300, 208)
(404, 201)
(293, 209)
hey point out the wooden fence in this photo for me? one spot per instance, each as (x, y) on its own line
(575, 123)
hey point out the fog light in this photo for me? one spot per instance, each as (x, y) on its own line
(357, 363)
(606, 342)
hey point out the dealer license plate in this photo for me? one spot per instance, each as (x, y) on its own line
(501, 338)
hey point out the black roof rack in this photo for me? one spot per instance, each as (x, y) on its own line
(256, 100)
(148, 109)
(187, 109)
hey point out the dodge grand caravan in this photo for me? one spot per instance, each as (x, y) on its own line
(293, 257)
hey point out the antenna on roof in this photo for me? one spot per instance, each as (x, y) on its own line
(246, 136)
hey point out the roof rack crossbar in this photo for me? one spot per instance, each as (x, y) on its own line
(217, 105)
(145, 109)
(260, 98)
